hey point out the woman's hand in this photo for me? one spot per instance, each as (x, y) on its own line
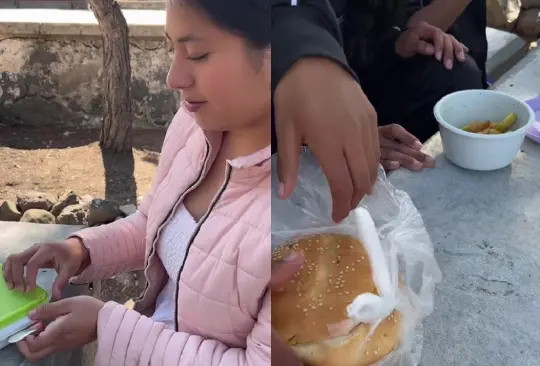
(318, 103)
(282, 272)
(424, 39)
(74, 324)
(401, 149)
(68, 258)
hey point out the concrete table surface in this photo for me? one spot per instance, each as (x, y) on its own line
(485, 229)
(15, 237)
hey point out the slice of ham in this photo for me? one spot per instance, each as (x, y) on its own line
(340, 329)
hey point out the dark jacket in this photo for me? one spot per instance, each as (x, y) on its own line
(314, 28)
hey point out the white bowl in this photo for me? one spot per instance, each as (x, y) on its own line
(476, 151)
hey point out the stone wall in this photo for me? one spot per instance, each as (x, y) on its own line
(52, 75)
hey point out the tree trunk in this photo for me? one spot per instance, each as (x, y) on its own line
(117, 119)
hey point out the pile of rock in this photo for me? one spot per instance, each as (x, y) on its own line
(67, 209)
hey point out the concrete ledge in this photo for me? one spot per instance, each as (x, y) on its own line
(55, 22)
(505, 49)
(138, 4)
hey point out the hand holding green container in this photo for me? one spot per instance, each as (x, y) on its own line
(14, 309)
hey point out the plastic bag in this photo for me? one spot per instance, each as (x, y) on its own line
(404, 248)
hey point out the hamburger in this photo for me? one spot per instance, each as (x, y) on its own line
(310, 311)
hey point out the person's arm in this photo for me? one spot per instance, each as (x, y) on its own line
(125, 337)
(309, 29)
(120, 246)
(440, 13)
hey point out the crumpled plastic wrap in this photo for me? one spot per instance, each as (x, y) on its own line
(404, 268)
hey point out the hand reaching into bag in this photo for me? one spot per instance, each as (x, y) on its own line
(399, 148)
(319, 104)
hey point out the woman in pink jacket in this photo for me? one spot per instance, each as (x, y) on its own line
(202, 233)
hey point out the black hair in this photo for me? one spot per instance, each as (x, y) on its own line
(249, 19)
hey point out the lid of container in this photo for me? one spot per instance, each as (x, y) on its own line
(15, 305)
(534, 131)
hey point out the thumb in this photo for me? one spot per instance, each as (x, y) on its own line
(284, 270)
(50, 311)
(289, 147)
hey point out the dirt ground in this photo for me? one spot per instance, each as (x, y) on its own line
(55, 160)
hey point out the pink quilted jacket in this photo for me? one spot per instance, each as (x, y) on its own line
(223, 311)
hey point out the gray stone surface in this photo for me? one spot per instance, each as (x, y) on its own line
(485, 230)
(484, 227)
(523, 80)
(505, 49)
(15, 237)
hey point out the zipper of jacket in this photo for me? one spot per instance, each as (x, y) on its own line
(194, 234)
(173, 209)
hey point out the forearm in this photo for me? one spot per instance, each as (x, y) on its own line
(114, 248)
(440, 13)
(125, 337)
(304, 31)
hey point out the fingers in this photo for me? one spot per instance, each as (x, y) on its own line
(34, 263)
(284, 270)
(357, 162)
(14, 269)
(335, 168)
(17, 274)
(399, 133)
(429, 34)
(433, 41)
(377, 150)
(425, 48)
(8, 277)
(288, 159)
(60, 283)
(24, 349)
(50, 311)
(404, 160)
(438, 43)
(390, 165)
(459, 49)
(43, 340)
(426, 160)
(406, 157)
(448, 58)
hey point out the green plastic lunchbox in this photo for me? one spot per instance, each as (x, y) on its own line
(14, 309)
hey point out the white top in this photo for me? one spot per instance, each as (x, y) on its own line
(171, 249)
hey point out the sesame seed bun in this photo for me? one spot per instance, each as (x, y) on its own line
(336, 270)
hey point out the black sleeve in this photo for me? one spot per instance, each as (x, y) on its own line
(309, 29)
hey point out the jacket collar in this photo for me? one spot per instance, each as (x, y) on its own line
(250, 166)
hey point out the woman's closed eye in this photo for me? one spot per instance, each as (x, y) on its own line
(201, 57)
